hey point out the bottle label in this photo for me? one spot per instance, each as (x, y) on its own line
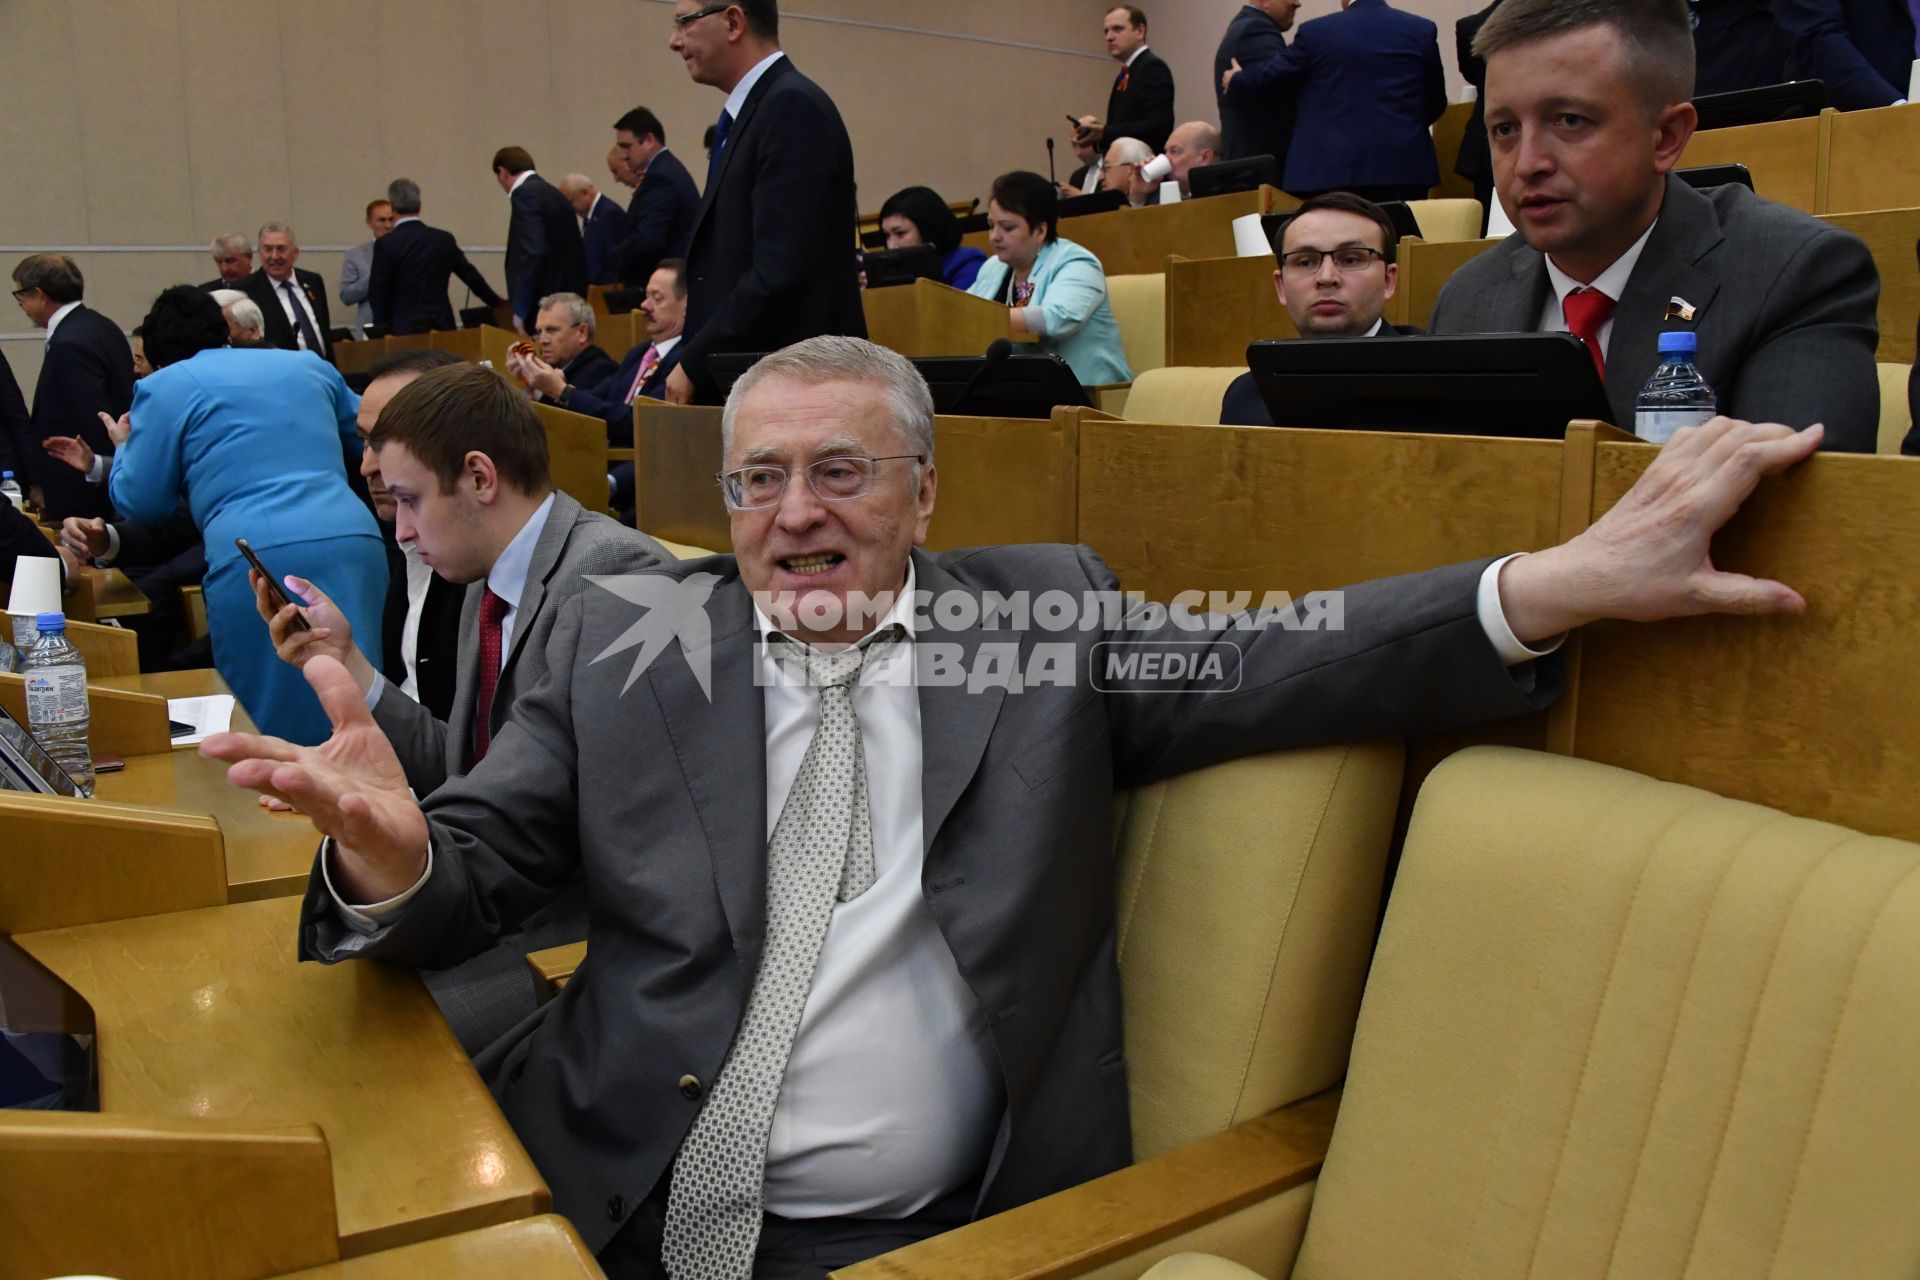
(1656, 426)
(56, 695)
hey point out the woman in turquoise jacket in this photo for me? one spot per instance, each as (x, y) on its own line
(1053, 288)
(258, 442)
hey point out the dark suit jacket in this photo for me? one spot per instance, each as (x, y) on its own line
(1737, 45)
(544, 251)
(1371, 86)
(659, 220)
(16, 426)
(1253, 124)
(1019, 880)
(608, 401)
(280, 331)
(1243, 406)
(590, 368)
(18, 537)
(771, 260)
(1144, 109)
(87, 371)
(1784, 308)
(147, 543)
(1475, 161)
(408, 286)
(600, 234)
(1861, 49)
(436, 638)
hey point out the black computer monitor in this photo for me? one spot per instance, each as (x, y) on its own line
(973, 222)
(1715, 175)
(621, 301)
(1790, 101)
(1527, 385)
(1229, 176)
(871, 240)
(903, 266)
(474, 317)
(1021, 386)
(1098, 202)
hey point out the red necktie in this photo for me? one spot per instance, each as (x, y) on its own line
(648, 363)
(1587, 311)
(493, 610)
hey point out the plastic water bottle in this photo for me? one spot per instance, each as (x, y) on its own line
(11, 488)
(1676, 395)
(57, 711)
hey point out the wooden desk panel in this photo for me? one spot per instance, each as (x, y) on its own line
(1217, 306)
(1787, 158)
(576, 454)
(1873, 162)
(542, 1248)
(1891, 235)
(1424, 269)
(1811, 714)
(208, 1013)
(1139, 241)
(929, 319)
(676, 456)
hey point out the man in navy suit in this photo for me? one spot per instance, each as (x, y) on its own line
(1862, 49)
(770, 262)
(87, 371)
(665, 205)
(602, 225)
(1336, 272)
(411, 264)
(1256, 124)
(1371, 86)
(643, 372)
(544, 251)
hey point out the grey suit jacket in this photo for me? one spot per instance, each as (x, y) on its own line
(660, 793)
(1784, 306)
(575, 542)
(356, 278)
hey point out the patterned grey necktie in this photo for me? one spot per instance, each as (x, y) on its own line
(822, 850)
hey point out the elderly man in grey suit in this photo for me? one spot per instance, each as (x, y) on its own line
(465, 461)
(1588, 111)
(842, 806)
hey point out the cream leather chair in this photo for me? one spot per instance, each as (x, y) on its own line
(1140, 308)
(1449, 219)
(1186, 395)
(1614, 1027)
(1895, 415)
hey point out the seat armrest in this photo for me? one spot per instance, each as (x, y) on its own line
(554, 966)
(1088, 1226)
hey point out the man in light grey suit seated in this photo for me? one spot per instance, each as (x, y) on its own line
(1588, 112)
(464, 459)
(851, 977)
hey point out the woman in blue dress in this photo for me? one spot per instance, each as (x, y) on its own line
(917, 215)
(257, 441)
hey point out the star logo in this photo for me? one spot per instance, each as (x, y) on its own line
(675, 610)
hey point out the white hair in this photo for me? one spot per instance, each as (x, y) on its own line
(1129, 151)
(283, 228)
(231, 242)
(838, 359)
(578, 309)
(576, 182)
(243, 310)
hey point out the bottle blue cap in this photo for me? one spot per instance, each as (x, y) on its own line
(45, 622)
(1675, 340)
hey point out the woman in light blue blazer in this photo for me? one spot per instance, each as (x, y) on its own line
(1052, 287)
(258, 441)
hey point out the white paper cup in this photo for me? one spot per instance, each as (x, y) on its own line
(36, 586)
(1156, 169)
(1169, 192)
(1249, 241)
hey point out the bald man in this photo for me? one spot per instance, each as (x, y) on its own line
(1190, 146)
(602, 223)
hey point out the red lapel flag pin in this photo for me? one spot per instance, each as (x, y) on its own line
(1679, 308)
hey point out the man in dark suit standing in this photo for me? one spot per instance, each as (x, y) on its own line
(1371, 86)
(1475, 161)
(87, 371)
(544, 251)
(292, 301)
(825, 809)
(411, 266)
(1336, 271)
(1257, 124)
(771, 260)
(232, 258)
(602, 224)
(665, 202)
(1588, 116)
(1140, 104)
(16, 426)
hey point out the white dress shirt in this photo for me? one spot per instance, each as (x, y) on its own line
(1612, 282)
(419, 577)
(287, 304)
(737, 100)
(507, 579)
(53, 321)
(518, 182)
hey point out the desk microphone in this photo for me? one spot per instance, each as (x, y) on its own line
(997, 353)
(1051, 176)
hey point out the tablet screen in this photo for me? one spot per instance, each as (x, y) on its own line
(25, 765)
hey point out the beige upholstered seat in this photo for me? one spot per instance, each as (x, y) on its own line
(683, 550)
(1617, 1027)
(1450, 219)
(1895, 415)
(1187, 395)
(1140, 308)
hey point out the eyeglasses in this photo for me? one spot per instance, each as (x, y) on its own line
(21, 293)
(681, 21)
(1348, 261)
(839, 479)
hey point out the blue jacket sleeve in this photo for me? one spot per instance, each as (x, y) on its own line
(1071, 297)
(1817, 31)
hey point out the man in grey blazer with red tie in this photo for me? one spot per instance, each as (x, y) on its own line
(852, 973)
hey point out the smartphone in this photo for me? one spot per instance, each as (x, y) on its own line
(1073, 122)
(275, 592)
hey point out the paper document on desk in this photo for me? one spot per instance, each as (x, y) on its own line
(209, 715)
